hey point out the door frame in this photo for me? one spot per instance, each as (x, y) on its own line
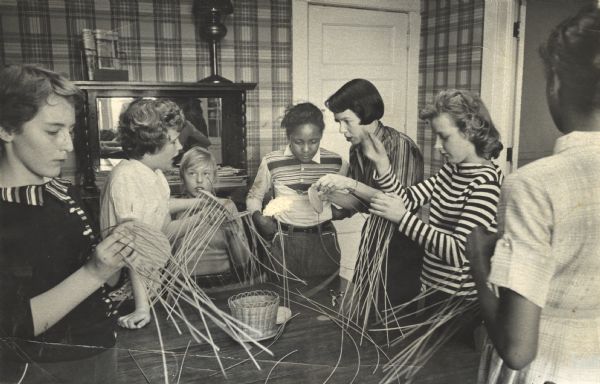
(502, 72)
(300, 49)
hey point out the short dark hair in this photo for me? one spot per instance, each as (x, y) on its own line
(471, 117)
(25, 88)
(361, 97)
(572, 52)
(144, 125)
(300, 114)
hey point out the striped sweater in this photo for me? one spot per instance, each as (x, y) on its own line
(290, 179)
(461, 197)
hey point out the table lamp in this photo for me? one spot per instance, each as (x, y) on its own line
(208, 14)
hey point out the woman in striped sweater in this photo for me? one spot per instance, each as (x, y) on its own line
(462, 195)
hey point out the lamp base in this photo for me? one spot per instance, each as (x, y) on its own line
(215, 79)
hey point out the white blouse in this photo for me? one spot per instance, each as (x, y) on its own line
(133, 191)
(549, 253)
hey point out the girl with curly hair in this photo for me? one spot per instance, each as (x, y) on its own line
(136, 189)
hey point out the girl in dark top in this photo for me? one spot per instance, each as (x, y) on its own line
(53, 299)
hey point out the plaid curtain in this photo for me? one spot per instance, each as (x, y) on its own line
(450, 57)
(79, 15)
(159, 40)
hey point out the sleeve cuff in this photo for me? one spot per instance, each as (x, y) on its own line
(522, 269)
(385, 175)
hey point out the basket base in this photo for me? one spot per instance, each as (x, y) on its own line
(266, 336)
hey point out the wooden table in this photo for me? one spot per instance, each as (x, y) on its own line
(310, 340)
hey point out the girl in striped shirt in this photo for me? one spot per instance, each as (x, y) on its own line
(464, 194)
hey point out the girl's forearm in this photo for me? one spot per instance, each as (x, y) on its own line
(51, 306)
(180, 204)
(139, 291)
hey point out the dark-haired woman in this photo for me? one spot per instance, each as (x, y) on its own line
(545, 323)
(358, 109)
(56, 320)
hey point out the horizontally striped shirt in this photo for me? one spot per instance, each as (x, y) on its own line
(290, 178)
(462, 196)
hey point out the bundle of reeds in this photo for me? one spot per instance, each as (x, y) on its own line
(168, 281)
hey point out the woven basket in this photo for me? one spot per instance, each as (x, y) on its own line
(256, 309)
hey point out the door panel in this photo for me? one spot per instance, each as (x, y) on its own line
(345, 43)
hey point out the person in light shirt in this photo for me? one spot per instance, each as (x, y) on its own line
(544, 323)
(137, 189)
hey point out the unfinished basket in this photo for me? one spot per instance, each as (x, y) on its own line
(258, 310)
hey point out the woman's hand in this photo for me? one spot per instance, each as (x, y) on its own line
(479, 250)
(334, 182)
(374, 150)
(113, 253)
(390, 207)
(135, 320)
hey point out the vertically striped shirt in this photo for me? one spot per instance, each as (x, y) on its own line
(405, 157)
(462, 196)
(290, 178)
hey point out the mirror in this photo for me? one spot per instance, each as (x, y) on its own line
(204, 114)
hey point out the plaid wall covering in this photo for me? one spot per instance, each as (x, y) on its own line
(160, 43)
(450, 57)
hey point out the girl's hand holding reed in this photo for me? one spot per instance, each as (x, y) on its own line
(112, 253)
(388, 206)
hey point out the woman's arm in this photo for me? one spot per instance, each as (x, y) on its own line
(387, 177)
(337, 182)
(512, 321)
(523, 267)
(109, 256)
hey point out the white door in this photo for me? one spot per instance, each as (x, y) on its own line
(345, 43)
(334, 44)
